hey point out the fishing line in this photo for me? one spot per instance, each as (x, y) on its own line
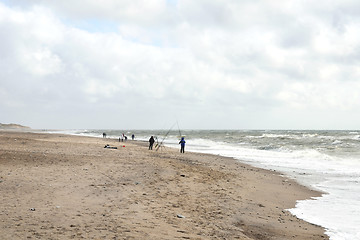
(179, 128)
(165, 137)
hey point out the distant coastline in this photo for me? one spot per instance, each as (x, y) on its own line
(12, 126)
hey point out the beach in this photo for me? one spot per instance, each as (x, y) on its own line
(55, 186)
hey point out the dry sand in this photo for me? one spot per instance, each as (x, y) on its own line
(71, 187)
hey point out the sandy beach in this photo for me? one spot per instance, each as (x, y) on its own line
(70, 187)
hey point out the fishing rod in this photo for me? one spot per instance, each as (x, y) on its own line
(158, 146)
(179, 128)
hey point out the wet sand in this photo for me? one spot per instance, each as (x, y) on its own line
(69, 187)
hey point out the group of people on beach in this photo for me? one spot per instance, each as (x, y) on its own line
(151, 141)
(182, 142)
(122, 138)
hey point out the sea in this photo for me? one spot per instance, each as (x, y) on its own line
(328, 161)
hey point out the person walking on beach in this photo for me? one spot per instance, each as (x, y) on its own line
(182, 142)
(104, 135)
(151, 141)
(133, 137)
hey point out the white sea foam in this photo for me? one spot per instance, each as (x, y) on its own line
(338, 177)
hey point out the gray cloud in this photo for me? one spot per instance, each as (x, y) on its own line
(111, 64)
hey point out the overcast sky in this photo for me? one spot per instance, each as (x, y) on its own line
(208, 64)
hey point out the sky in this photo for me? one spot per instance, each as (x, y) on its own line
(214, 64)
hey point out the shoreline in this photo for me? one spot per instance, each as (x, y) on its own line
(79, 189)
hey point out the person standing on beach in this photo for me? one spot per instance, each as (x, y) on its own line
(151, 141)
(133, 137)
(182, 142)
(104, 135)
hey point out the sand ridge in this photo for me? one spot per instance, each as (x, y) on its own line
(69, 187)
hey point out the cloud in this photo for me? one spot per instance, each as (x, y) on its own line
(228, 58)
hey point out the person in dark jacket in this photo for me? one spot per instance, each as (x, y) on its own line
(182, 142)
(151, 141)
